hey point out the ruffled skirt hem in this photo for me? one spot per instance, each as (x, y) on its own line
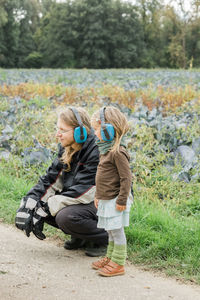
(109, 218)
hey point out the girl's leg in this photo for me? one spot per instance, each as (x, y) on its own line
(120, 250)
(110, 244)
(119, 236)
(116, 264)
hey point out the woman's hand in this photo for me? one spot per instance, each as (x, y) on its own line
(120, 207)
(96, 201)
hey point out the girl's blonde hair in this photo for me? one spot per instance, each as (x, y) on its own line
(119, 121)
(68, 117)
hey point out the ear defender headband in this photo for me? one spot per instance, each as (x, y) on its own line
(80, 132)
(107, 130)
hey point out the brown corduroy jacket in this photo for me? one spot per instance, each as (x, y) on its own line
(113, 177)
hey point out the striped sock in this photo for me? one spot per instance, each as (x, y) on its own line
(119, 254)
(110, 249)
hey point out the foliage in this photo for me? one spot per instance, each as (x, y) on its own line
(33, 60)
(98, 34)
(16, 32)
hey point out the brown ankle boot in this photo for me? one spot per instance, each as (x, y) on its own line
(100, 263)
(111, 269)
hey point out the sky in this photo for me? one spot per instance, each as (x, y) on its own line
(187, 6)
(187, 3)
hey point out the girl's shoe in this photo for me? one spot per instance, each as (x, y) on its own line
(100, 263)
(111, 269)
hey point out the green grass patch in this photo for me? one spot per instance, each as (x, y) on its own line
(161, 238)
(12, 190)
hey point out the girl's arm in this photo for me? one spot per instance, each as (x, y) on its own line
(96, 202)
(120, 207)
(121, 160)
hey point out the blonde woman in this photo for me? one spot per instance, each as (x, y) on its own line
(64, 196)
(113, 187)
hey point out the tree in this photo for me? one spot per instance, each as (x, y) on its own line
(126, 42)
(57, 36)
(3, 21)
(193, 35)
(28, 22)
(92, 34)
(178, 46)
(193, 42)
(9, 34)
(171, 36)
(151, 19)
(3, 13)
(99, 34)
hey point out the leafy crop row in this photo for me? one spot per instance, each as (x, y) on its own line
(169, 99)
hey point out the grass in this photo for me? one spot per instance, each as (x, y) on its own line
(164, 241)
(164, 231)
(12, 189)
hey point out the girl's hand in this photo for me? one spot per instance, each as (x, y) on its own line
(96, 201)
(120, 207)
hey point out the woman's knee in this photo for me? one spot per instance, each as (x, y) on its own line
(66, 217)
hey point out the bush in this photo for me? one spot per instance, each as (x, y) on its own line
(33, 60)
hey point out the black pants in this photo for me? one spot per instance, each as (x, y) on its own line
(80, 221)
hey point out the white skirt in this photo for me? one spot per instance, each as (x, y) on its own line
(109, 218)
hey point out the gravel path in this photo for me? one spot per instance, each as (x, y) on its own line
(31, 269)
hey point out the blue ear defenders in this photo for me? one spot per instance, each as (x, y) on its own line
(107, 130)
(80, 132)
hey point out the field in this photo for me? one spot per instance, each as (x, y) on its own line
(163, 109)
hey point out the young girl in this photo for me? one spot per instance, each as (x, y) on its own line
(113, 187)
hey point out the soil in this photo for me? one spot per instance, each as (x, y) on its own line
(31, 269)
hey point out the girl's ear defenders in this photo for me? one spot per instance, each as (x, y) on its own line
(80, 132)
(107, 130)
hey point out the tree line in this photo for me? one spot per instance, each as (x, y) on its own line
(98, 34)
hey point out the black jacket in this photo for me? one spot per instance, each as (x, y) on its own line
(75, 182)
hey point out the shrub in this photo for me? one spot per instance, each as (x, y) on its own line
(33, 60)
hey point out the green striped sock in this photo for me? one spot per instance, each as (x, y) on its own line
(119, 254)
(110, 249)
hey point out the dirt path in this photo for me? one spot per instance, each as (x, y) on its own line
(41, 270)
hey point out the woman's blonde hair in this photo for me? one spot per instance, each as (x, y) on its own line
(68, 117)
(114, 116)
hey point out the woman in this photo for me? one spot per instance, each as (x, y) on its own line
(64, 196)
